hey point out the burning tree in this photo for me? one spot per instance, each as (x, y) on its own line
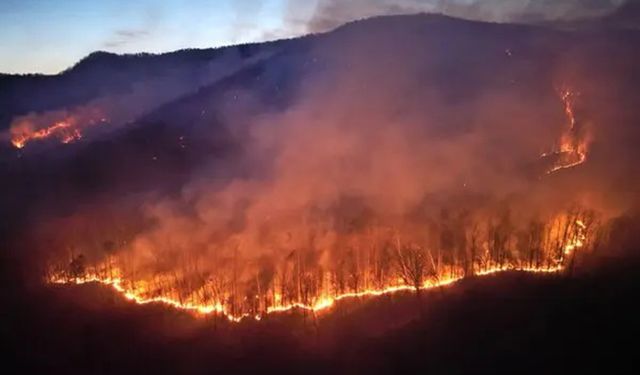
(372, 260)
(415, 265)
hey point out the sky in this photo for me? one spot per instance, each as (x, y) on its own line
(48, 36)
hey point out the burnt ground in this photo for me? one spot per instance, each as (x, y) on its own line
(509, 323)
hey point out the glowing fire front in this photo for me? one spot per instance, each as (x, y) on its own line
(376, 270)
(322, 303)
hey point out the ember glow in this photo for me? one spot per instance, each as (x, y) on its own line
(572, 148)
(389, 265)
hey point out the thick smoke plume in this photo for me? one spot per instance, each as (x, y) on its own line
(331, 13)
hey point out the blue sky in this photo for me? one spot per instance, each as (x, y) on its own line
(48, 36)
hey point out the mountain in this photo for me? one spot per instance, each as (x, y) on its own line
(103, 75)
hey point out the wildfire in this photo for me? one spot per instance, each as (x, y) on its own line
(566, 234)
(573, 146)
(312, 266)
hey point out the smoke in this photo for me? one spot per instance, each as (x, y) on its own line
(330, 13)
(123, 37)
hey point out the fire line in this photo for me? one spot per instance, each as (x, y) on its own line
(322, 303)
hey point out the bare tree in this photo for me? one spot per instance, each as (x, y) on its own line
(413, 265)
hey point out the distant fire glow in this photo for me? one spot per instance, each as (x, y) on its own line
(572, 149)
(67, 130)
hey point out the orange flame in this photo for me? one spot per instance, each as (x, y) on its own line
(64, 130)
(573, 146)
(321, 304)
(575, 235)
